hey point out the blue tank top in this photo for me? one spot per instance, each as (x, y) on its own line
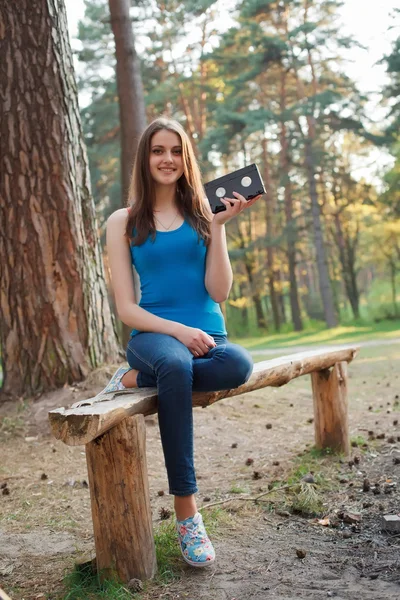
(172, 271)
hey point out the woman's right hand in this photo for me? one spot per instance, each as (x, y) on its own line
(196, 340)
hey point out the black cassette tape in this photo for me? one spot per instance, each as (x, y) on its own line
(246, 181)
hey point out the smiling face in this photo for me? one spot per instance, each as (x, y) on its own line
(166, 163)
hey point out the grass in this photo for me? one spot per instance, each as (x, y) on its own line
(307, 499)
(236, 489)
(84, 584)
(319, 335)
(13, 426)
(358, 440)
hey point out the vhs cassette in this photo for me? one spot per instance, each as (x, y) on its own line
(246, 181)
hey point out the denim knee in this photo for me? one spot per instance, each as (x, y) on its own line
(174, 364)
(241, 364)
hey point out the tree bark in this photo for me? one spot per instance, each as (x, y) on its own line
(290, 232)
(346, 257)
(324, 281)
(392, 265)
(323, 275)
(260, 318)
(250, 263)
(270, 216)
(56, 322)
(130, 89)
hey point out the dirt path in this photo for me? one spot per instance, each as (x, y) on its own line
(45, 516)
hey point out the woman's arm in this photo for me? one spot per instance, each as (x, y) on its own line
(219, 277)
(119, 258)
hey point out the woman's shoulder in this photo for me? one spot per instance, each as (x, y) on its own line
(118, 217)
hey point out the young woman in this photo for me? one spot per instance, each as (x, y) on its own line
(179, 341)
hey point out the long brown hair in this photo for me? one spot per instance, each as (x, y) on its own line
(189, 189)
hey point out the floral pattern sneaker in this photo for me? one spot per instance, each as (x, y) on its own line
(115, 384)
(113, 387)
(196, 548)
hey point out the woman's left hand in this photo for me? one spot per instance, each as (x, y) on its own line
(234, 206)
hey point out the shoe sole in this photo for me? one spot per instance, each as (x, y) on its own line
(196, 564)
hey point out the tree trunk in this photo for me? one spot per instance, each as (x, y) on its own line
(132, 113)
(393, 285)
(270, 216)
(130, 89)
(323, 275)
(290, 225)
(261, 322)
(56, 322)
(354, 295)
(281, 297)
(244, 310)
(324, 282)
(348, 270)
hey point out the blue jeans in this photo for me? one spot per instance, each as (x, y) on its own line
(164, 362)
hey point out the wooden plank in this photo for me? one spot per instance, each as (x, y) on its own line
(83, 423)
(330, 408)
(120, 499)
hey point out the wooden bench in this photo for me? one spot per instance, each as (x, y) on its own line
(114, 436)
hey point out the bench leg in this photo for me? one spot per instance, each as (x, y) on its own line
(120, 499)
(330, 408)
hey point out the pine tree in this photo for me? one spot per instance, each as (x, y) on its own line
(130, 89)
(56, 323)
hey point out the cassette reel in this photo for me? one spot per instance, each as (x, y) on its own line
(246, 181)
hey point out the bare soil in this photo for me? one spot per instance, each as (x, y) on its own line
(45, 510)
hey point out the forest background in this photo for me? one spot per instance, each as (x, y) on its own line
(268, 82)
(264, 81)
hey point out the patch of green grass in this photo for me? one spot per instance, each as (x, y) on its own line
(169, 565)
(305, 498)
(169, 558)
(306, 501)
(318, 334)
(357, 440)
(11, 426)
(84, 584)
(312, 461)
(236, 489)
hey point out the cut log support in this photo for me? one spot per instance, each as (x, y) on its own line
(120, 499)
(330, 408)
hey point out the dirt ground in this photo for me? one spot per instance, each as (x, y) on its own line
(45, 507)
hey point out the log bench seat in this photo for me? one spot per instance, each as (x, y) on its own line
(114, 435)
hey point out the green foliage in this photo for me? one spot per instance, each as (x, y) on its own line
(168, 555)
(236, 489)
(306, 501)
(242, 93)
(84, 584)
